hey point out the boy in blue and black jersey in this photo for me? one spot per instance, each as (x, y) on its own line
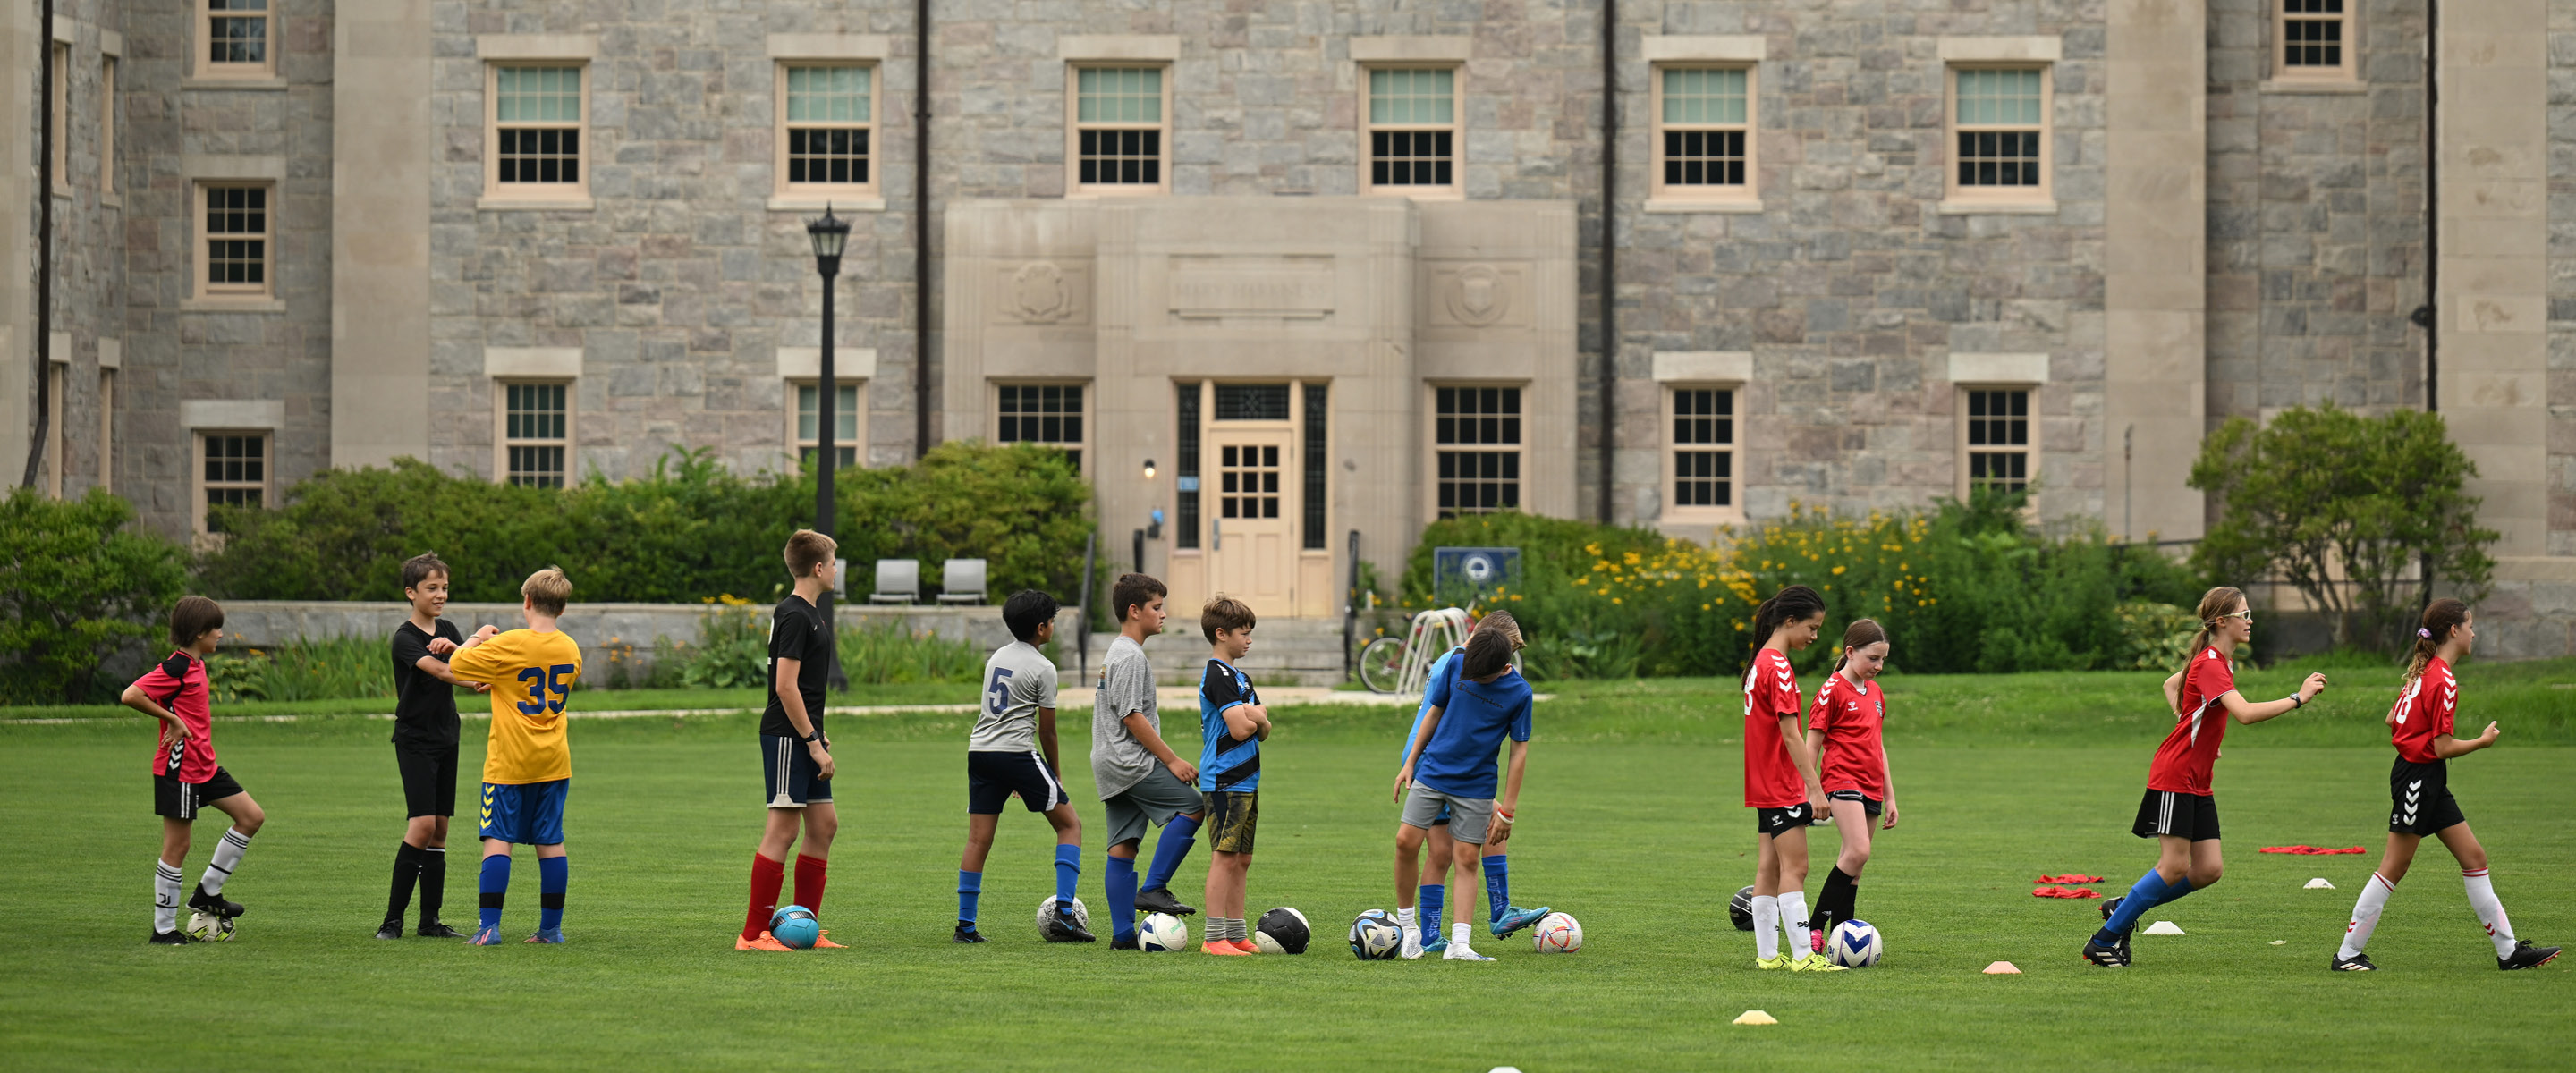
(1233, 723)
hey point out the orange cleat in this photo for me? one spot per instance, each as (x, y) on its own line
(824, 941)
(1222, 947)
(1246, 945)
(765, 942)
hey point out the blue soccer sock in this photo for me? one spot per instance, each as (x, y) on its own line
(495, 886)
(1068, 868)
(1120, 881)
(1178, 836)
(970, 886)
(1435, 897)
(1498, 884)
(2150, 891)
(553, 874)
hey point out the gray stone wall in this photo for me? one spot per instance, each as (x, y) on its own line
(2561, 471)
(88, 259)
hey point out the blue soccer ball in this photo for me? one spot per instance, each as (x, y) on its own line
(1854, 945)
(1375, 936)
(795, 928)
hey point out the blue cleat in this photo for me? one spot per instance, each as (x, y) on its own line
(1434, 946)
(1515, 918)
(486, 937)
(554, 935)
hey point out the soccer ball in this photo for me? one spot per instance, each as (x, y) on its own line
(1854, 945)
(209, 928)
(794, 927)
(1163, 931)
(1282, 931)
(1741, 910)
(1375, 936)
(1558, 933)
(1046, 914)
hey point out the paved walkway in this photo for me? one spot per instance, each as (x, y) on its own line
(1070, 699)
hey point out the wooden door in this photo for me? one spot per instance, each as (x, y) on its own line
(1252, 514)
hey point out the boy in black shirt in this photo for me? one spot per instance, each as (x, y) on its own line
(424, 747)
(796, 757)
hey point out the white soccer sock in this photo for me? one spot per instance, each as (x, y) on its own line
(1404, 917)
(1766, 926)
(1793, 919)
(228, 855)
(165, 896)
(1458, 933)
(2365, 915)
(2490, 911)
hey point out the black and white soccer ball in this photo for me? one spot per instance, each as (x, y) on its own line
(1375, 936)
(1046, 916)
(1741, 910)
(1282, 931)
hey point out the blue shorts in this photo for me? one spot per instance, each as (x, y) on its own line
(527, 814)
(793, 779)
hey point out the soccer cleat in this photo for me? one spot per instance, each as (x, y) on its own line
(966, 933)
(169, 938)
(2109, 957)
(1246, 945)
(1222, 948)
(1815, 941)
(765, 942)
(824, 941)
(486, 936)
(2108, 908)
(2355, 963)
(391, 929)
(1435, 945)
(435, 930)
(1514, 919)
(1815, 963)
(1125, 944)
(549, 936)
(213, 903)
(2527, 956)
(1460, 952)
(1063, 928)
(1160, 900)
(1767, 964)
(1411, 948)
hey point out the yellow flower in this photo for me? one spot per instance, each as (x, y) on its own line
(1838, 571)
(1615, 600)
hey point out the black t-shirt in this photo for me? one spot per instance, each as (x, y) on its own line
(796, 632)
(424, 706)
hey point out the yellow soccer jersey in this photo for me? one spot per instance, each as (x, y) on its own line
(531, 675)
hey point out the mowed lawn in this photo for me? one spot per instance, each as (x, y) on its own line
(1630, 820)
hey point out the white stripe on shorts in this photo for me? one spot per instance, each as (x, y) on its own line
(2164, 819)
(1056, 795)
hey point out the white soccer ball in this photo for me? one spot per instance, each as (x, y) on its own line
(1163, 931)
(1557, 933)
(1046, 914)
(1854, 945)
(1375, 936)
(1282, 931)
(209, 928)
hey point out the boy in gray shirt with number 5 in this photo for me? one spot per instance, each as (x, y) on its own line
(1012, 752)
(1141, 780)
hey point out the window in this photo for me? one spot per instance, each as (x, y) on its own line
(1703, 133)
(1248, 481)
(232, 472)
(1251, 402)
(845, 424)
(1412, 128)
(107, 429)
(826, 129)
(1317, 448)
(1120, 129)
(537, 115)
(1703, 449)
(536, 433)
(107, 124)
(58, 94)
(239, 39)
(1048, 414)
(54, 437)
(1995, 437)
(1476, 449)
(2000, 131)
(1185, 472)
(235, 239)
(2316, 40)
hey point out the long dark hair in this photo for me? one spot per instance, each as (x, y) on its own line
(2442, 618)
(2213, 606)
(1862, 633)
(1790, 604)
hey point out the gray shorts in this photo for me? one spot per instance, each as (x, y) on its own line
(1468, 816)
(1155, 799)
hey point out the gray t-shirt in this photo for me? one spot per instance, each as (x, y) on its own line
(1118, 760)
(1018, 680)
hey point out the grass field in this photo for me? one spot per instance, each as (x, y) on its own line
(1629, 821)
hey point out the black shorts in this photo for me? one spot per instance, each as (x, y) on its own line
(1772, 821)
(181, 800)
(791, 775)
(1870, 805)
(2164, 812)
(2419, 798)
(428, 778)
(1232, 817)
(991, 779)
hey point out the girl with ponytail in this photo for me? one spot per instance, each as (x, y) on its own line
(1781, 784)
(2419, 793)
(2179, 810)
(1843, 728)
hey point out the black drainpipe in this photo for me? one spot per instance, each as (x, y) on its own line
(2424, 315)
(921, 228)
(44, 240)
(1609, 246)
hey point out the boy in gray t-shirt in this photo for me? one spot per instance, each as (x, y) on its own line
(1012, 752)
(1142, 781)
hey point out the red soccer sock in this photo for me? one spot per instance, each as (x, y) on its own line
(809, 882)
(766, 875)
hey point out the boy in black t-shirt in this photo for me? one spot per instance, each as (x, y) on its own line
(796, 757)
(424, 747)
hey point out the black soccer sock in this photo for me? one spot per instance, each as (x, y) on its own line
(433, 882)
(406, 872)
(1833, 904)
(1845, 907)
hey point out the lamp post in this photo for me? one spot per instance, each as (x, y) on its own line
(829, 235)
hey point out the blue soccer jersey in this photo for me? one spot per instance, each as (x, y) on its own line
(1474, 716)
(1439, 671)
(1225, 763)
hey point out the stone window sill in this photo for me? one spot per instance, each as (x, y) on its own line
(263, 85)
(838, 203)
(1654, 205)
(1419, 193)
(232, 305)
(2317, 85)
(1954, 207)
(490, 203)
(111, 199)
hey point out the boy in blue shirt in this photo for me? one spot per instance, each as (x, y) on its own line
(1409, 841)
(1233, 723)
(1452, 758)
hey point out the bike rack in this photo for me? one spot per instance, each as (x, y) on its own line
(1434, 632)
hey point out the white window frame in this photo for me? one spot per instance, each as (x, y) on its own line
(798, 443)
(58, 93)
(1433, 448)
(1075, 126)
(201, 263)
(1959, 194)
(1456, 128)
(2349, 20)
(107, 63)
(502, 441)
(850, 193)
(107, 428)
(1090, 395)
(2030, 450)
(1746, 195)
(57, 373)
(199, 486)
(586, 156)
(1733, 448)
(205, 65)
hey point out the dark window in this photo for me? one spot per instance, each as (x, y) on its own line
(237, 236)
(1185, 400)
(1042, 413)
(1703, 429)
(1999, 439)
(1252, 402)
(827, 156)
(237, 31)
(1477, 481)
(536, 412)
(1703, 158)
(1409, 158)
(236, 469)
(1999, 158)
(1248, 481)
(2312, 33)
(1316, 448)
(1122, 157)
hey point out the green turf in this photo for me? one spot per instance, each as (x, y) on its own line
(1629, 821)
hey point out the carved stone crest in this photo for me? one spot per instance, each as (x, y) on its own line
(1477, 295)
(1039, 294)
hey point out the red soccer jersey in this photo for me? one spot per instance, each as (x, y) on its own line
(1771, 778)
(179, 684)
(1850, 717)
(2191, 748)
(2424, 711)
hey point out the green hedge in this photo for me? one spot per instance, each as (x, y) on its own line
(79, 584)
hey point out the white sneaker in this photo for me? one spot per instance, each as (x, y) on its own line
(1411, 949)
(1458, 951)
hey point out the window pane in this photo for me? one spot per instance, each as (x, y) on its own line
(539, 95)
(1989, 97)
(1317, 447)
(827, 95)
(1185, 410)
(1119, 95)
(237, 31)
(1411, 96)
(1252, 402)
(1704, 96)
(1704, 157)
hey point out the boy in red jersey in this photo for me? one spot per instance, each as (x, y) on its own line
(1780, 780)
(2179, 810)
(2419, 792)
(1843, 730)
(185, 776)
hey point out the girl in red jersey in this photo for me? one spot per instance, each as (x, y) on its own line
(1780, 780)
(2179, 811)
(1843, 728)
(2419, 794)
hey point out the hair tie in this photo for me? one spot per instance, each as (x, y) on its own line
(2423, 633)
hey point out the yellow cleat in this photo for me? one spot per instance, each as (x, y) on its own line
(1774, 963)
(1815, 963)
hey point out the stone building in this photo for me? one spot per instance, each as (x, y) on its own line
(1332, 268)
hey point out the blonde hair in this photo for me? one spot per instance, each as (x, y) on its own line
(2214, 605)
(547, 590)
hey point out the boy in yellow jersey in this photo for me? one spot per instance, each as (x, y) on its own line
(527, 768)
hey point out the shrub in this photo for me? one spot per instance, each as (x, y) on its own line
(337, 668)
(732, 652)
(79, 584)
